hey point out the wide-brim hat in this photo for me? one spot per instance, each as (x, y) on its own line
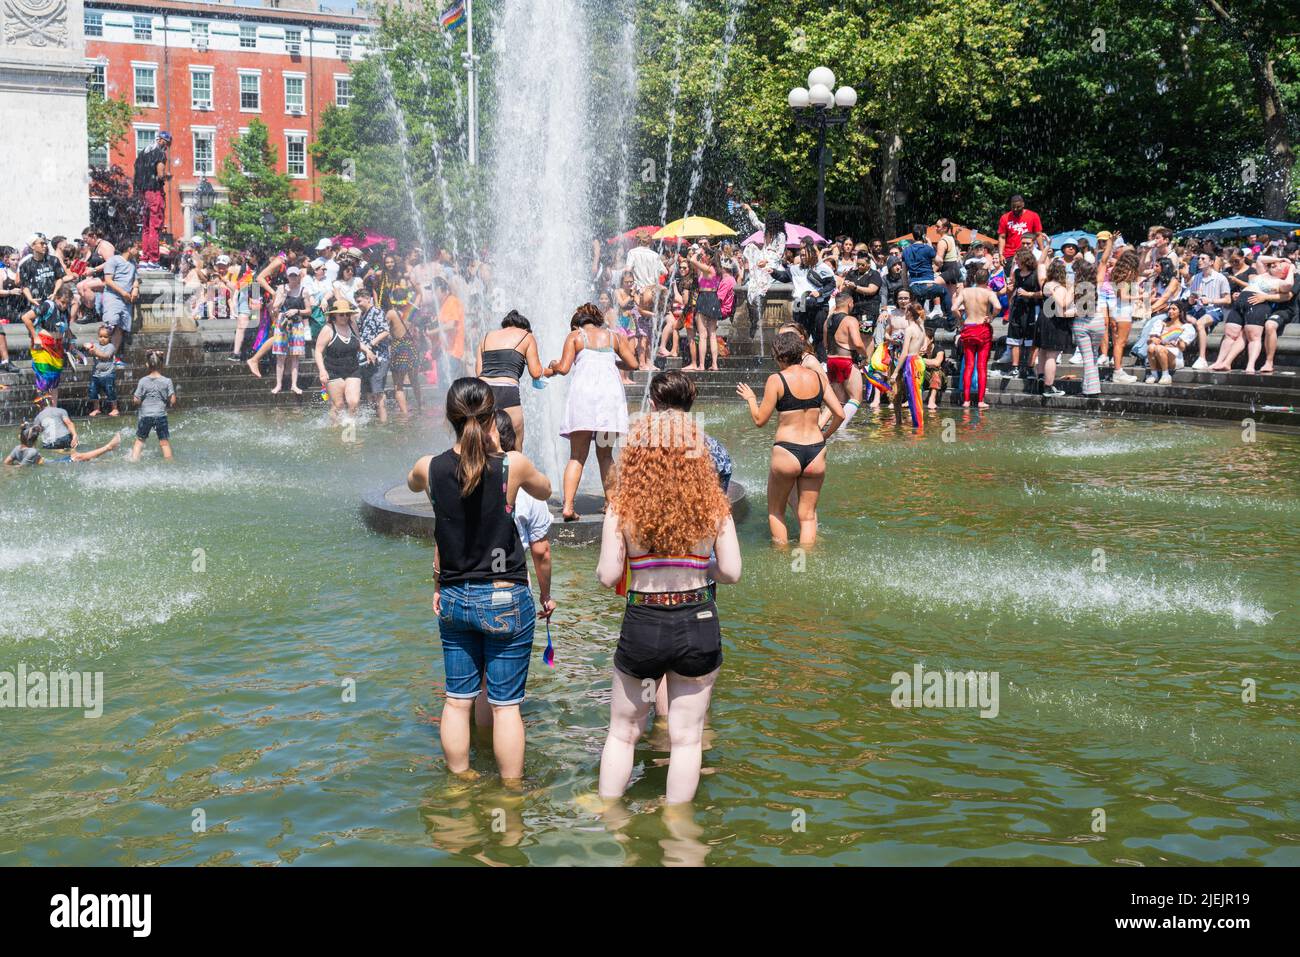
(342, 307)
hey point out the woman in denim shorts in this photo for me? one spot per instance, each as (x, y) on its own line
(485, 611)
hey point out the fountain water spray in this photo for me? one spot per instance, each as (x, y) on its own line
(540, 168)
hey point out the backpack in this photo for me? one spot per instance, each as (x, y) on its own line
(145, 174)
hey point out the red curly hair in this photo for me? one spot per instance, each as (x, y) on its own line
(666, 491)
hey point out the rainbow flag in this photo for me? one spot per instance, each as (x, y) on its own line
(47, 361)
(453, 16)
(878, 368)
(913, 376)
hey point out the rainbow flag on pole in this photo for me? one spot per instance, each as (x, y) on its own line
(453, 16)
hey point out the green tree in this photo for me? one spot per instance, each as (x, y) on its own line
(254, 188)
(107, 120)
(1266, 33)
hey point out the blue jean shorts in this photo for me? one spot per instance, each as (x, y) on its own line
(487, 630)
(157, 423)
(102, 387)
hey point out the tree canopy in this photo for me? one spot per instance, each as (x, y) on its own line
(1102, 114)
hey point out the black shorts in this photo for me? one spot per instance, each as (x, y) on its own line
(1023, 326)
(505, 396)
(686, 639)
(63, 443)
(157, 423)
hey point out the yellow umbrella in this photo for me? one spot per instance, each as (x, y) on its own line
(693, 227)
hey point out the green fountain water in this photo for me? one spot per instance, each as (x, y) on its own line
(229, 597)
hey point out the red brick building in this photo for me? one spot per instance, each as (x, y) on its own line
(202, 71)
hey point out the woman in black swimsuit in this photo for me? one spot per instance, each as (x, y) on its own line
(338, 361)
(799, 452)
(502, 358)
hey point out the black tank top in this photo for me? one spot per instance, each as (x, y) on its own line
(505, 363)
(835, 322)
(476, 535)
(340, 357)
(298, 302)
(792, 403)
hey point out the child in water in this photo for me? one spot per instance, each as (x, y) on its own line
(103, 387)
(26, 452)
(154, 394)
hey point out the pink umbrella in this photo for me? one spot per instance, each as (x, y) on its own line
(794, 236)
(633, 234)
(366, 241)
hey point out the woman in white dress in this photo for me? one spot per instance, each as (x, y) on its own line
(596, 406)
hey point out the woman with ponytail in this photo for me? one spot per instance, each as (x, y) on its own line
(485, 611)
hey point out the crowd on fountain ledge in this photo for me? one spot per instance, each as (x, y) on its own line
(370, 315)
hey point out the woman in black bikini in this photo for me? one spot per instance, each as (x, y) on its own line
(337, 358)
(799, 452)
(502, 358)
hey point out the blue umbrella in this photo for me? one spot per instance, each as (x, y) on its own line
(1073, 236)
(1240, 226)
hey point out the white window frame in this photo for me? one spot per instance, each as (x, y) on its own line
(289, 137)
(258, 75)
(194, 103)
(135, 84)
(199, 34)
(97, 66)
(346, 78)
(142, 28)
(211, 133)
(150, 128)
(244, 30)
(292, 38)
(343, 46)
(92, 18)
(302, 106)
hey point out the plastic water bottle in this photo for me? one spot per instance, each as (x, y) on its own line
(539, 384)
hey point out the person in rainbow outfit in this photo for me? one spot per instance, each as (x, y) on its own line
(49, 324)
(908, 372)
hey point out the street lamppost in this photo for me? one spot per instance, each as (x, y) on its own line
(204, 199)
(816, 107)
(268, 222)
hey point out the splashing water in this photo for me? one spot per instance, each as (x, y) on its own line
(539, 181)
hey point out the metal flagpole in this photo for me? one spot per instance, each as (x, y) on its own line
(472, 69)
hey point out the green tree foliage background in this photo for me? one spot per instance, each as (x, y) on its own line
(1104, 114)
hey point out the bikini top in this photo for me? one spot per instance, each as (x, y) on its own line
(507, 363)
(608, 347)
(789, 402)
(699, 563)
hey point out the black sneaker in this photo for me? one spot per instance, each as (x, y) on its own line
(1015, 374)
(1053, 392)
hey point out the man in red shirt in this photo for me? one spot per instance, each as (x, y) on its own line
(1015, 225)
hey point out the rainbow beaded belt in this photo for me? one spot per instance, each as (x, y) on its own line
(696, 596)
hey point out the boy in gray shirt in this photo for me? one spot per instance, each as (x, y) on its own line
(154, 393)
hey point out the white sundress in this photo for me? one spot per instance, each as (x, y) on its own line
(596, 401)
